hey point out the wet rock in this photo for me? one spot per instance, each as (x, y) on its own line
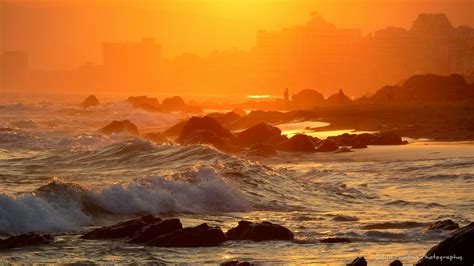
(145, 103)
(263, 150)
(123, 229)
(386, 139)
(156, 137)
(443, 225)
(298, 143)
(199, 236)
(124, 126)
(210, 138)
(155, 230)
(259, 232)
(396, 263)
(260, 133)
(359, 145)
(90, 102)
(327, 146)
(452, 249)
(26, 240)
(359, 261)
(225, 119)
(203, 123)
(336, 240)
(175, 103)
(175, 130)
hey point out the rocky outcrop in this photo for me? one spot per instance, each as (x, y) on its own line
(259, 232)
(307, 99)
(359, 261)
(396, 263)
(260, 133)
(199, 236)
(123, 229)
(454, 250)
(90, 102)
(157, 229)
(156, 137)
(327, 145)
(386, 139)
(26, 240)
(443, 225)
(338, 98)
(124, 127)
(299, 143)
(207, 124)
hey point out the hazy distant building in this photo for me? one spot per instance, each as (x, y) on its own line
(14, 70)
(132, 65)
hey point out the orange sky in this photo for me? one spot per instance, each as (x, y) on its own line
(62, 34)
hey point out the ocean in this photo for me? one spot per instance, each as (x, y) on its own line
(59, 175)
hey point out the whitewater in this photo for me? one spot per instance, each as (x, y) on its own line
(59, 175)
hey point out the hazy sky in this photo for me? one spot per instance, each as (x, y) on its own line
(62, 34)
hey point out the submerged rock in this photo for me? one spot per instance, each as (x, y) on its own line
(443, 225)
(90, 101)
(359, 261)
(335, 240)
(298, 143)
(396, 263)
(155, 230)
(123, 229)
(199, 236)
(124, 126)
(26, 240)
(454, 250)
(259, 232)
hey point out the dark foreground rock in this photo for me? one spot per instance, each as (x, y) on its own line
(123, 126)
(259, 232)
(396, 263)
(123, 229)
(155, 230)
(299, 143)
(443, 225)
(359, 261)
(90, 101)
(260, 133)
(199, 236)
(203, 124)
(26, 240)
(454, 250)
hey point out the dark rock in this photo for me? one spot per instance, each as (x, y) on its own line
(145, 103)
(259, 232)
(124, 126)
(443, 225)
(298, 143)
(307, 99)
(338, 98)
(263, 150)
(196, 123)
(90, 101)
(386, 139)
(359, 145)
(123, 229)
(26, 240)
(155, 230)
(210, 138)
(260, 133)
(396, 263)
(172, 104)
(459, 244)
(327, 146)
(359, 261)
(175, 130)
(199, 236)
(336, 240)
(225, 119)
